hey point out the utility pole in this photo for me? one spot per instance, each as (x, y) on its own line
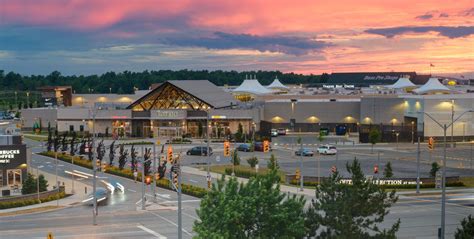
(94, 170)
(452, 123)
(143, 181)
(378, 164)
(56, 169)
(180, 221)
(208, 143)
(443, 187)
(418, 167)
(301, 164)
(154, 173)
(470, 143)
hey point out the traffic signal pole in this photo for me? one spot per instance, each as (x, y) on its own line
(418, 167)
(143, 180)
(154, 172)
(180, 221)
(301, 165)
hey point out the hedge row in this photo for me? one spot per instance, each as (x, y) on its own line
(162, 183)
(404, 186)
(137, 143)
(78, 160)
(27, 202)
(127, 173)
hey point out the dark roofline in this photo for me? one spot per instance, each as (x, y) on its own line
(161, 86)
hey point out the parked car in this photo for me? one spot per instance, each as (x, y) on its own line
(304, 152)
(274, 133)
(244, 148)
(199, 150)
(259, 147)
(281, 131)
(327, 149)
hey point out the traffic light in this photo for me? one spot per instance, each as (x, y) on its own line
(161, 170)
(333, 169)
(376, 169)
(431, 143)
(298, 175)
(226, 148)
(170, 154)
(266, 146)
(148, 180)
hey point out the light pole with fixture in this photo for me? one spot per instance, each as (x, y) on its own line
(443, 181)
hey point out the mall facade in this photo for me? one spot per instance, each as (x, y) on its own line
(182, 108)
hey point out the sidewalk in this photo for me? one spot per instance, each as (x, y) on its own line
(65, 202)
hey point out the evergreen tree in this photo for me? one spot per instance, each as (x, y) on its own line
(112, 153)
(388, 172)
(133, 158)
(467, 229)
(350, 211)
(123, 153)
(64, 143)
(256, 209)
(235, 158)
(147, 164)
(50, 138)
(30, 185)
(374, 137)
(273, 163)
(434, 169)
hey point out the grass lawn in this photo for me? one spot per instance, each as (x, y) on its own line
(31, 210)
(36, 137)
(221, 170)
(468, 181)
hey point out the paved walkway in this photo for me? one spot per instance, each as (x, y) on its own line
(65, 202)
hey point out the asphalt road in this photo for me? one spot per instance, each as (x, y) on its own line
(120, 216)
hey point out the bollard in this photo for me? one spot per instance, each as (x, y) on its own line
(85, 190)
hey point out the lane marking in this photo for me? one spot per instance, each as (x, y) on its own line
(156, 234)
(170, 222)
(193, 181)
(131, 190)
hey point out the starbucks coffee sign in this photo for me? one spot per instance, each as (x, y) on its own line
(12, 154)
(168, 114)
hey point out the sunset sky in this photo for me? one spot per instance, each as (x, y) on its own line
(96, 36)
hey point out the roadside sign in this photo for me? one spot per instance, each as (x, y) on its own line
(218, 158)
(158, 142)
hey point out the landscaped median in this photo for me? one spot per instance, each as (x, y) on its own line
(242, 171)
(26, 202)
(127, 173)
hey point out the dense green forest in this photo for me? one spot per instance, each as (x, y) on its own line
(125, 82)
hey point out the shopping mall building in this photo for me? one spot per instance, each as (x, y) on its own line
(177, 108)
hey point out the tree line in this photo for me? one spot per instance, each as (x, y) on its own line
(125, 82)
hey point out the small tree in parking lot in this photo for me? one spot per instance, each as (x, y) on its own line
(388, 172)
(235, 158)
(374, 137)
(273, 163)
(30, 184)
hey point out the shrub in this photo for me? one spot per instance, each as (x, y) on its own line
(26, 202)
(252, 161)
(434, 169)
(127, 173)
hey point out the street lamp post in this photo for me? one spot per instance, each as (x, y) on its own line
(397, 134)
(413, 132)
(301, 164)
(418, 167)
(94, 170)
(452, 123)
(443, 172)
(208, 159)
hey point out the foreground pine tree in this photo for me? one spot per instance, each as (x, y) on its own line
(350, 211)
(467, 229)
(256, 209)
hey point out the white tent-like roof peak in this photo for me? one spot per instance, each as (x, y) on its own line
(432, 86)
(402, 83)
(277, 85)
(251, 86)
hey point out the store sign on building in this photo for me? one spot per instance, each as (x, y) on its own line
(12, 154)
(381, 77)
(169, 114)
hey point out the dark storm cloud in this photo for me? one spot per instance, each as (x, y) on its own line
(425, 16)
(451, 32)
(221, 40)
